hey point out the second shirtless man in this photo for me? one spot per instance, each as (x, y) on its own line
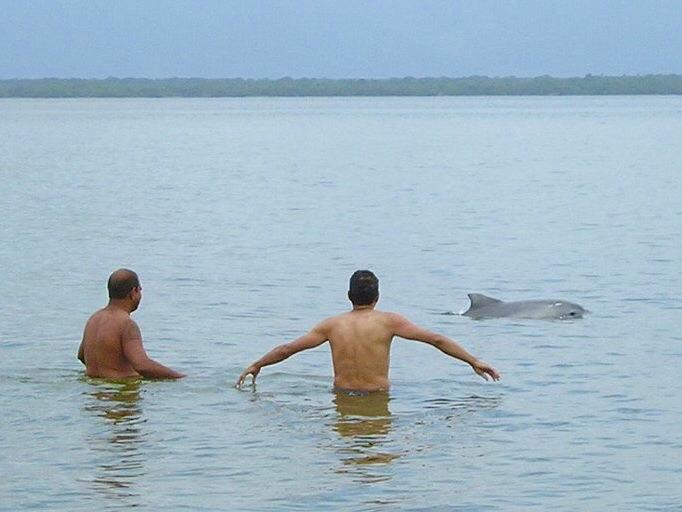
(360, 342)
(112, 342)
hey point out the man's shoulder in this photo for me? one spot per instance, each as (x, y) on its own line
(330, 321)
(390, 315)
(98, 313)
(96, 317)
(111, 317)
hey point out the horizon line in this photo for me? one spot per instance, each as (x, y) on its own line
(405, 77)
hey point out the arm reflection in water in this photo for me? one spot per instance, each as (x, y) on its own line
(364, 421)
(121, 463)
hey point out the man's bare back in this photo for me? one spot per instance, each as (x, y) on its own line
(360, 343)
(112, 342)
(107, 335)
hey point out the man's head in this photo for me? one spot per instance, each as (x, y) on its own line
(124, 284)
(364, 288)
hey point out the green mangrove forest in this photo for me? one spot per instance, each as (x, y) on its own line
(408, 86)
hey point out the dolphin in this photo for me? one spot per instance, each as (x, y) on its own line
(545, 309)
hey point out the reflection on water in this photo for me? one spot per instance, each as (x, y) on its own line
(120, 461)
(364, 421)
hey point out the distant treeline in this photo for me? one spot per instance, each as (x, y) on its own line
(238, 87)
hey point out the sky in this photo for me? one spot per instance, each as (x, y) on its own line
(338, 39)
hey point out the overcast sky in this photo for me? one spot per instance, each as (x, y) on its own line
(339, 38)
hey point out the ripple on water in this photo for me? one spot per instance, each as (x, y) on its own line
(586, 416)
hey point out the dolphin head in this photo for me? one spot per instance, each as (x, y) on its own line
(565, 310)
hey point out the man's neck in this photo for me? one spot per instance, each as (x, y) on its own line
(364, 308)
(120, 304)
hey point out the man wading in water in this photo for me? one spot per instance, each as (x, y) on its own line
(112, 341)
(360, 342)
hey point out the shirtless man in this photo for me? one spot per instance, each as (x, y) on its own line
(360, 342)
(112, 342)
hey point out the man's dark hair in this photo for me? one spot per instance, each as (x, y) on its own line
(364, 288)
(121, 283)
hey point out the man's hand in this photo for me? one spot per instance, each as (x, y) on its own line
(485, 370)
(252, 370)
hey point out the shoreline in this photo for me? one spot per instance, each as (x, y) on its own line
(588, 85)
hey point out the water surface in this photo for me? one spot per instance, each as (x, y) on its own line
(245, 218)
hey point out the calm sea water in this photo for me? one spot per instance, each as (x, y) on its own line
(245, 218)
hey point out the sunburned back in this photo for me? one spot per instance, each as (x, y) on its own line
(360, 343)
(102, 345)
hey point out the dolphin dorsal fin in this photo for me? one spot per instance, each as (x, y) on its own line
(478, 300)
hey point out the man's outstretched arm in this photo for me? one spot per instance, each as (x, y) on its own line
(312, 339)
(405, 329)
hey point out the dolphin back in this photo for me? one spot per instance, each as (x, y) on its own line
(483, 306)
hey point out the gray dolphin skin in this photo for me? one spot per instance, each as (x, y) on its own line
(544, 309)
